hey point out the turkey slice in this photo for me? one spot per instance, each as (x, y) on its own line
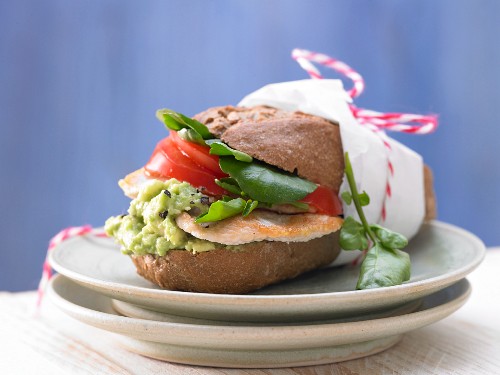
(261, 225)
(133, 182)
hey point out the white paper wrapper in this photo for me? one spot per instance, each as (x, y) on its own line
(405, 209)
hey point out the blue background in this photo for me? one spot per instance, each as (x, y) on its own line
(80, 82)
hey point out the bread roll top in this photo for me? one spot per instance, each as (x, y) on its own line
(307, 145)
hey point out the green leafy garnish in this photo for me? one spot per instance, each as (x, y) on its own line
(191, 135)
(364, 199)
(249, 207)
(221, 149)
(352, 235)
(177, 121)
(384, 264)
(194, 131)
(265, 183)
(389, 238)
(230, 185)
(226, 208)
(221, 210)
(346, 197)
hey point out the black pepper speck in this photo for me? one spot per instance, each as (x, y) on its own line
(167, 193)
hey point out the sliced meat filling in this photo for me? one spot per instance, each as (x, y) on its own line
(133, 182)
(262, 225)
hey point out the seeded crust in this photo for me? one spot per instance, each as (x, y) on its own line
(252, 267)
(312, 147)
(220, 119)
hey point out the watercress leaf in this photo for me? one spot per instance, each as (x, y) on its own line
(249, 207)
(384, 264)
(191, 136)
(221, 210)
(388, 238)
(364, 199)
(230, 185)
(266, 183)
(349, 174)
(229, 180)
(197, 126)
(346, 197)
(236, 187)
(352, 235)
(171, 122)
(221, 149)
(177, 121)
(383, 267)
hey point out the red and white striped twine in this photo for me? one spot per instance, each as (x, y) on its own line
(60, 237)
(305, 59)
(376, 121)
(400, 122)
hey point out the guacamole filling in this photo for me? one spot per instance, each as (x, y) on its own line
(150, 227)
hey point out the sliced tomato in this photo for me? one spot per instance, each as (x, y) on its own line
(168, 161)
(174, 157)
(325, 200)
(199, 154)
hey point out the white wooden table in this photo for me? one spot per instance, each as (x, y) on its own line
(468, 342)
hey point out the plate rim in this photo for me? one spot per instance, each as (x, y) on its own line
(132, 310)
(345, 332)
(357, 350)
(445, 279)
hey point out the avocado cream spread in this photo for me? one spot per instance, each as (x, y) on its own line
(150, 228)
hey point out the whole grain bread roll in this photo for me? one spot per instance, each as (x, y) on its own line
(312, 149)
(246, 269)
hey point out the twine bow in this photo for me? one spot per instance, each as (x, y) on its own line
(377, 122)
(399, 122)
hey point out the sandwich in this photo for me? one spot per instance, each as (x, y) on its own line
(235, 199)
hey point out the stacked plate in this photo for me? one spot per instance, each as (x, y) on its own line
(315, 319)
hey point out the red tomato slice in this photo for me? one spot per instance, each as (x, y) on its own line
(168, 161)
(174, 157)
(199, 154)
(325, 201)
